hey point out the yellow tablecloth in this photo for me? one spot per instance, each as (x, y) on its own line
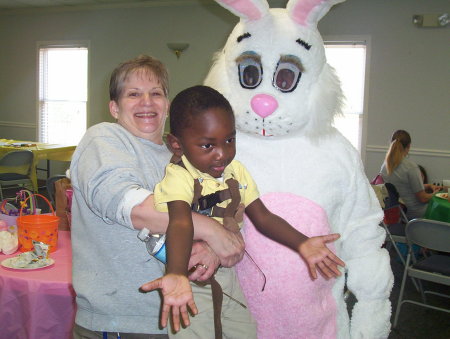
(42, 151)
(438, 209)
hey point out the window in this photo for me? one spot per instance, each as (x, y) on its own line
(349, 61)
(62, 93)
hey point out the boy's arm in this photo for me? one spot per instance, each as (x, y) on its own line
(227, 245)
(313, 250)
(179, 235)
(175, 287)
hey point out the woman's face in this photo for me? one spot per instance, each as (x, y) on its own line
(142, 107)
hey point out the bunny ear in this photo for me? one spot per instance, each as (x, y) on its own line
(246, 9)
(309, 12)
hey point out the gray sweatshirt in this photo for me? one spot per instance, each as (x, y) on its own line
(109, 262)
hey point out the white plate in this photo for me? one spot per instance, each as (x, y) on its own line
(442, 195)
(7, 263)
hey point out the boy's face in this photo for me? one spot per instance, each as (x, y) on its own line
(209, 143)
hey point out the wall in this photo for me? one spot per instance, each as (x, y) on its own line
(408, 78)
(408, 71)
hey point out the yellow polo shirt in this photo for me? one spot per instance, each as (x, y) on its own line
(178, 184)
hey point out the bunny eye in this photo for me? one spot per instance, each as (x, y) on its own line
(250, 70)
(287, 74)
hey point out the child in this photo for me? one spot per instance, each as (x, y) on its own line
(203, 135)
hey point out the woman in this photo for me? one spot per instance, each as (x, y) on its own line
(405, 175)
(113, 172)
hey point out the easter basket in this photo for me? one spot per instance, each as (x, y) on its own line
(39, 227)
(10, 208)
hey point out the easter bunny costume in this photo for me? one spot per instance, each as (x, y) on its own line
(273, 70)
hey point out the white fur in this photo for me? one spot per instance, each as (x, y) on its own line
(304, 154)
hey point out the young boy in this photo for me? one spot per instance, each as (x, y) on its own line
(203, 136)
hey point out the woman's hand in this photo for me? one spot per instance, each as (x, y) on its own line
(430, 188)
(177, 295)
(317, 256)
(425, 197)
(436, 188)
(228, 246)
(203, 262)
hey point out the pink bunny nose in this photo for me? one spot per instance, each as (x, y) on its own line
(264, 105)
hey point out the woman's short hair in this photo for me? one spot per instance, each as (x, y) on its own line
(144, 64)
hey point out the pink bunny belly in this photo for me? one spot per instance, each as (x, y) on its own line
(291, 305)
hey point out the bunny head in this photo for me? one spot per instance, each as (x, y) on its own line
(273, 69)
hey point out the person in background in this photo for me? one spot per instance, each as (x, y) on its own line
(424, 174)
(405, 175)
(113, 173)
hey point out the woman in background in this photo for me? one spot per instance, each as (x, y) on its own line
(405, 175)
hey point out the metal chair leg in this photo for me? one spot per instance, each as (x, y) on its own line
(402, 290)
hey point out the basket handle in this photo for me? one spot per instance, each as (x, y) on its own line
(2, 207)
(37, 195)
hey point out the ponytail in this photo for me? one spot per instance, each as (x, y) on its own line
(397, 150)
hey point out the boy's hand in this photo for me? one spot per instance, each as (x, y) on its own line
(317, 255)
(177, 294)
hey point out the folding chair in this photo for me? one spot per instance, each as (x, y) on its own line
(435, 236)
(16, 169)
(394, 220)
(394, 225)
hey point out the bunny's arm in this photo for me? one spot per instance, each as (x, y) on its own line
(369, 275)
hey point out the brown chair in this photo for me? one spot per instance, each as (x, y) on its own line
(50, 185)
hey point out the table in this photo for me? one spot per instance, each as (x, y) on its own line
(438, 209)
(41, 151)
(39, 304)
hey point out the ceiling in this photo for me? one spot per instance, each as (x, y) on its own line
(6, 5)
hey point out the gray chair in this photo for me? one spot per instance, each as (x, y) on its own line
(50, 185)
(16, 169)
(435, 236)
(394, 219)
(394, 223)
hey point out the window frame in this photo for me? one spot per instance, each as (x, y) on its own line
(59, 44)
(363, 40)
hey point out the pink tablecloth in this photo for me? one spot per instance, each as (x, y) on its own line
(39, 304)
